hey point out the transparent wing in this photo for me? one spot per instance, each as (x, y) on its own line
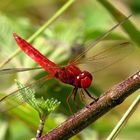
(104, 55)
(15, 98)
(100, 38)
(15, 70)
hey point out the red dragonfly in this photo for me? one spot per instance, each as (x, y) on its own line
(71, 74)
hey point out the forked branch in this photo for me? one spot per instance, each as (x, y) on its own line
(113, 97)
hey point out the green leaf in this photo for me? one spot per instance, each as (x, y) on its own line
(44, 107)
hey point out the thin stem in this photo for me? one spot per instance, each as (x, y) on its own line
(40, 30)
(41, 126)
(124, 119)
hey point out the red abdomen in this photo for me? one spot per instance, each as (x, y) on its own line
(48, 65)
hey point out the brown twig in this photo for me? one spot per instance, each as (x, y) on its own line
(113, 97)
(41, 126)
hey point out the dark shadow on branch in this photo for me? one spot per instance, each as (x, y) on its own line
(113, 97)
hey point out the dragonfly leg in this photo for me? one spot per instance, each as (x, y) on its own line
(68, 99)
(90, 95)
(74, 98)
(82, 96)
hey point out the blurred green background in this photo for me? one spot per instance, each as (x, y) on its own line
(64, 39)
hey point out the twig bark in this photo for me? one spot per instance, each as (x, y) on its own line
(41, 126)
(113, 97)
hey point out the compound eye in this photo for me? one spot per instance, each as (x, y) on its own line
(86, 82)
(86, 79)
(86, 74)
(83, 80)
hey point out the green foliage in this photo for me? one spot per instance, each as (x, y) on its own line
(44, 107)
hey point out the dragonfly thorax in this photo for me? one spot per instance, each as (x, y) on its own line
(74, 76)
(83, 80)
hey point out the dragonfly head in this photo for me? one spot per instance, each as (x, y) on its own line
(83, 80)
